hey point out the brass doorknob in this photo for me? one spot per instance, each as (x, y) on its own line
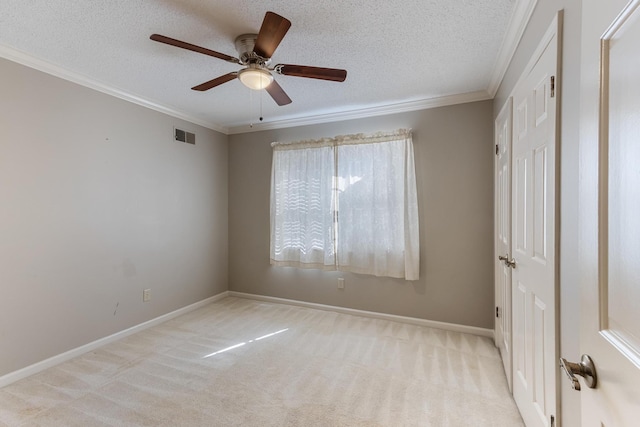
(510, 263)
(586, 369)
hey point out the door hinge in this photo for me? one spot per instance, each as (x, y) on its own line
(553, 421)
(497, 311)
(553, 86)
(497, 149)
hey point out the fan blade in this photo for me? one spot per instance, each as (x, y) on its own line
(332, 74)
(278, 94)
(193, 47)
(216, 82)
(272, 31)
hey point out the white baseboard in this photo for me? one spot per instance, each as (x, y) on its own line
(410, 320)
(78, 351)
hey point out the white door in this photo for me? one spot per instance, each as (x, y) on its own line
(609, 223)
(534, 236)
(502, 196)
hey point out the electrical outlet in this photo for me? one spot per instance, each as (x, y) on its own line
(340, 282)
(146, 295)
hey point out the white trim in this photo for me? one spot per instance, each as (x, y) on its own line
(621, 19)
(78, 351)
(371, 314)
(58, 71)
(518, 23)
(367, 112)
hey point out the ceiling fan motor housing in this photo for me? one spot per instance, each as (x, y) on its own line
(245, 45)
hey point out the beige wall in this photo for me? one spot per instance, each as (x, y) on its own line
(569, 291)
(97, 203)
(454, 167)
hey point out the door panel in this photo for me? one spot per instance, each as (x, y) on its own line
(540, 185)
(539, 341)
(521, 196)
(624, 181)
(520, 334)
(534, 231)
(541, 98)
(609, 223)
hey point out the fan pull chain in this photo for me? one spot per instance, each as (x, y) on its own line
(250, 108)
(261, 104)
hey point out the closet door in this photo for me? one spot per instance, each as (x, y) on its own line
(502, 238)
(533, 225)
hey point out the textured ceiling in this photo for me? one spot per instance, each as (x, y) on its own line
(396, 52)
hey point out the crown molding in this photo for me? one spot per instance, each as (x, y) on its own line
(356, 113)
(517, 24)
(366, 112)
(58, 71)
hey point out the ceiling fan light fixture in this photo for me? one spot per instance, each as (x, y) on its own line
(255, 78)
(255, 52)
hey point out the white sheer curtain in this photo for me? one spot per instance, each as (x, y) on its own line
(347, 203)
(377, 223)
(302, 214)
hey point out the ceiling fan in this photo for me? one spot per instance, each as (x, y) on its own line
(255, 51)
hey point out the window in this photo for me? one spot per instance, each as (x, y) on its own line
(347, 203)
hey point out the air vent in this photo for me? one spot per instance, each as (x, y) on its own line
(184, 136)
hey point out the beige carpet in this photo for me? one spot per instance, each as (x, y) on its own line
(239, 362)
